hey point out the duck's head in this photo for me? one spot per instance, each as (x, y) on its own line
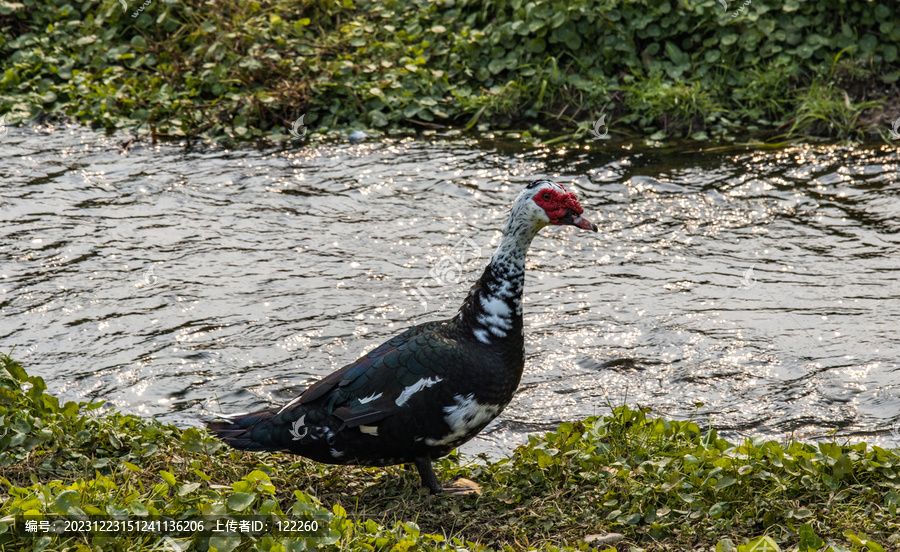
(544, 202)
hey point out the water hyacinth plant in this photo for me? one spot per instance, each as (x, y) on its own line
(246, 69)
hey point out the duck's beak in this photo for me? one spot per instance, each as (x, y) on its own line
(573, 218)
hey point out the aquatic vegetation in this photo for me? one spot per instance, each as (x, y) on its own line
(664, 103)
(663, 484)
(248, 69)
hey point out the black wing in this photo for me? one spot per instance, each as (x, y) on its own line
(376, 386)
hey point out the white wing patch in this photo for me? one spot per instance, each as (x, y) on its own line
(230, 417)
(463, 417)
(290, 404)
(370, 398)
(415, 388)
(482, 336)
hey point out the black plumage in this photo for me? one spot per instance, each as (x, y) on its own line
(429, 389)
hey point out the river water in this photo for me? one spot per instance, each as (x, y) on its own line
(179, 282)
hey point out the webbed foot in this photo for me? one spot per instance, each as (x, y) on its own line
(457, 486)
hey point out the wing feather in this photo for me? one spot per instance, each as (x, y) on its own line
(389, 369)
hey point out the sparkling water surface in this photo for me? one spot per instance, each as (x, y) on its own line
(756, 290)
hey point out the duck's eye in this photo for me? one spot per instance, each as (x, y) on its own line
(546, 197)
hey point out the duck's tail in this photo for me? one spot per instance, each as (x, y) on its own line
(247, 431)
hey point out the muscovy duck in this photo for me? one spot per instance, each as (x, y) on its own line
(433, 387)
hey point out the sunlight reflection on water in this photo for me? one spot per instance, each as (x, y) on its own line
(174, 282)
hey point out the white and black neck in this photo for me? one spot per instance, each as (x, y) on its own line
(492, 311)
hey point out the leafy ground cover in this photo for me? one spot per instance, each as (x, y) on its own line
(249, 69)
(665, 485)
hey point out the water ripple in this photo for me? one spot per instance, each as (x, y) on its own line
(756, 290)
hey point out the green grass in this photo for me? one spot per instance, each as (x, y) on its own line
(673, 107)
(665, 485)
(826, 110)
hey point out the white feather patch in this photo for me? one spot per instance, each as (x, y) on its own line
(415, 388)
(369, 430)
(231, 417)
(463, 417)
(370, 398)
(495, 308)
(482, 336)
(290, 404)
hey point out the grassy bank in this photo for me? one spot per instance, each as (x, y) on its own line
(664, 485)
(654, 69)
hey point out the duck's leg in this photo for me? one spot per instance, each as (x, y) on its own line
(456, 486)
(429, 479)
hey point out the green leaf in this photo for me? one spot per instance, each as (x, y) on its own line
(536, 45)
(14, 369)
(868, 43)
(535, 25)
(257, 475)
(843, 467)
(726, 481)
(240, 501)
(725, 545)
(188, 488)
(119, 511)
(41, 544)
(633, 519)
(168, 477)
(675, 54)
(137, 508)
(802, 513)
(66, 501)
(496, 65)
(557, 19)
(412, 529)
(224, 543)
(809, 541)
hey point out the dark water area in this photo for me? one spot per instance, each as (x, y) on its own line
(180, 282)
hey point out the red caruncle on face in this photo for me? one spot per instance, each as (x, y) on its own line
(557, 204)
